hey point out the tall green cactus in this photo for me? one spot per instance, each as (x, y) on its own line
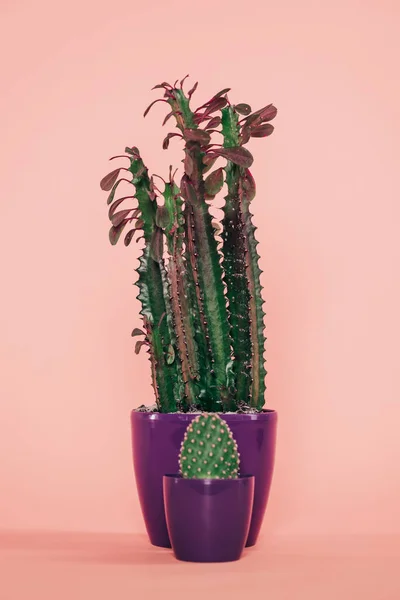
(201, 304)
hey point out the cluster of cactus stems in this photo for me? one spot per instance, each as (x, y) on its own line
(209, 450)
(201, 301)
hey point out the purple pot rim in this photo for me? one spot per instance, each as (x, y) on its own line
(265, 415)
(207, 482)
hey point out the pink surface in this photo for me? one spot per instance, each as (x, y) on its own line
(76, 77)
(101, 567)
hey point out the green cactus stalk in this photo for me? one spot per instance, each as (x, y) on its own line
(242, 273)
(170, 218)
(205, 260)
(201, 304)
(209, 450)
(150, 281)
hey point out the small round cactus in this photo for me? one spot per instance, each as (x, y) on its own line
(208, 450)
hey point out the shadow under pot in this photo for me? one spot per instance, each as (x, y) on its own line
(208, 520)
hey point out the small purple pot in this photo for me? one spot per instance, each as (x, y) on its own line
(156, 442)
(208, 520)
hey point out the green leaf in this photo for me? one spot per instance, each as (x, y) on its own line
(170, 355)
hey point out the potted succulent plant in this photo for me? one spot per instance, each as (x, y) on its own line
(200, 293)
(208, 506)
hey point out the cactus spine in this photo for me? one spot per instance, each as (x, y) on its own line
(201, 303)
(208, 450)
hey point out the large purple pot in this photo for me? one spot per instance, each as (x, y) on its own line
(156, 441)
(208, 520)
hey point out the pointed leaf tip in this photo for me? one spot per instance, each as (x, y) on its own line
(139, 345)
(115, 232)
(108, 181)
(152, 104)
(129, 236)
(192, 91)
(119, 216)
(137, 331)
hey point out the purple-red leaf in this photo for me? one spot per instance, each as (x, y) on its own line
(115, 232)
(183, 80)
(139, 224)
(188, 192)
(129, 236)
(261, 116)
(152, 104)
(221, 93)
(199, 118)
(114, 206)
(188, 164)
(139, 345)
(214, 182)
(119, 216)
(192, 91)
(245, 135)
(248, 185)
(162, 216)
(216, 104)
(133, 151)
(156, 245)
(137, 331)
(268, 113)
(243, 109)
(262, 130)
(214, 122)
(208, 161)
(239, 155)
(164, 84)
(167, 139)
(171, 114)
(111, 195)
(108, 181)
(197, 135)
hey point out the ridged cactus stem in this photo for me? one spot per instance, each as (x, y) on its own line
(209, 450)
(242, 274)
(151, 294)
(206, 264)
(171, 220)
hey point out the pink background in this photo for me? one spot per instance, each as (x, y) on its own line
(76, 77)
